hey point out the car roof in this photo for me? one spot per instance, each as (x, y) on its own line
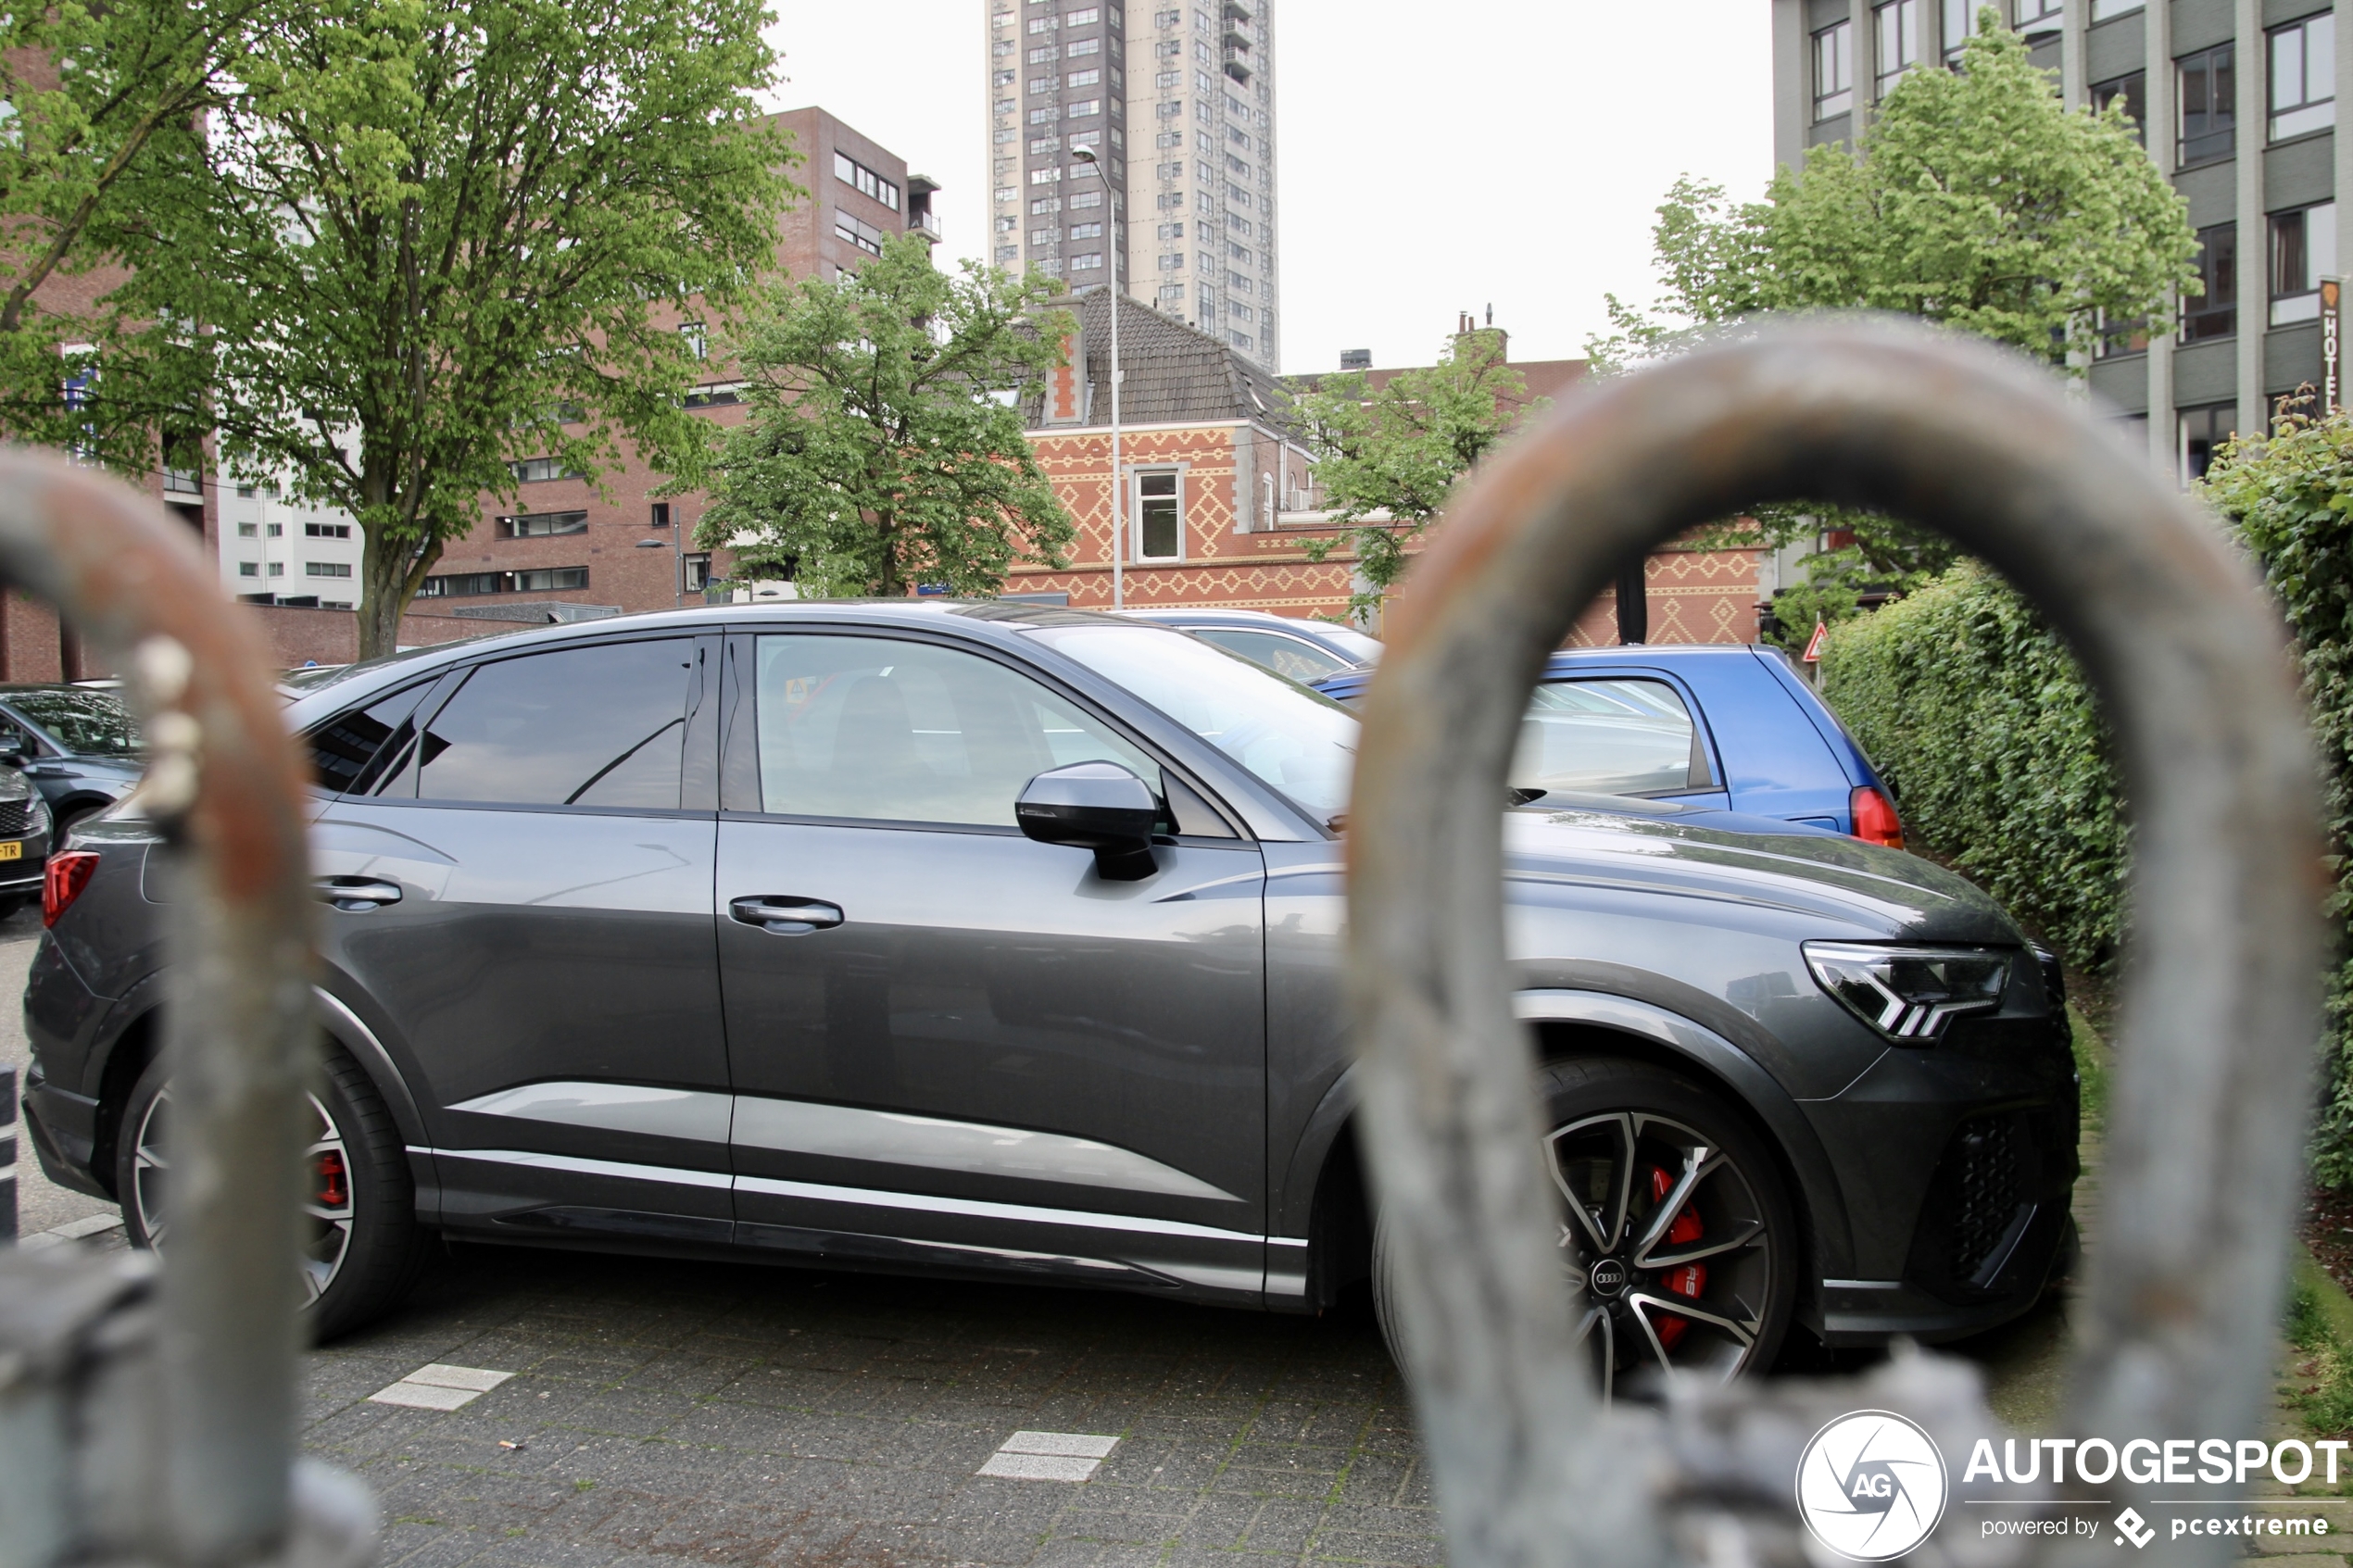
(992, 620)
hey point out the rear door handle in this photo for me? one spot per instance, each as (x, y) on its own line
(786, 916)
(354, 894)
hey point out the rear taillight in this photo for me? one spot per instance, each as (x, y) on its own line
(1875, 818)
(68, 874)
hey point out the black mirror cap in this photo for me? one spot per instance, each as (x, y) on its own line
(1097, 806)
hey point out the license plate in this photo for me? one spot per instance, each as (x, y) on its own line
(12, 851)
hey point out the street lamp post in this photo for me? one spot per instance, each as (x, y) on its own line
(1118, 485)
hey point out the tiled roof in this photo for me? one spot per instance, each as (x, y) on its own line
(1173, 373)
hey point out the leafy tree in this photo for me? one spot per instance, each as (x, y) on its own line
(1387, 459)
(438, 237)
(99, 110)
(1975, 201)
(884, 448)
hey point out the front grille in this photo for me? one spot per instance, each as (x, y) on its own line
(16, 818)
(1985, 1167)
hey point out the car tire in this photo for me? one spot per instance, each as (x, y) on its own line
(363, 1247)
(1746, 1242)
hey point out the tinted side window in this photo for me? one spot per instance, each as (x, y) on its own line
(350, 752)
(1609, 737)
(880, 729)
(594, 726)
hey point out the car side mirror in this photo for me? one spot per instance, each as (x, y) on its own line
(11, 754)
(1098, 806)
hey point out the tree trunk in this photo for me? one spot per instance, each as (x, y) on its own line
(384, 594)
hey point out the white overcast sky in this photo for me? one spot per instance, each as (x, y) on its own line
(1433, 158)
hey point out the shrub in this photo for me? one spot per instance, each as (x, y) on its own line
(1980, 723)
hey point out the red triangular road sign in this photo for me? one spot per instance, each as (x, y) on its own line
(1813, 643)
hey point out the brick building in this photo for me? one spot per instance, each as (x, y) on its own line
(1220, 499)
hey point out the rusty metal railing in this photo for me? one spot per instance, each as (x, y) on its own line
(2205, 1131)
(158, 1424)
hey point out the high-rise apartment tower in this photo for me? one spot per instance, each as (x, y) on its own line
(2236, 100)
(1177, 101)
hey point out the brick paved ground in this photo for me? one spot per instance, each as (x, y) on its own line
(740, 1414)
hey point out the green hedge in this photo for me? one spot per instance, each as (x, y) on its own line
(1985, 729)
(1980, 723)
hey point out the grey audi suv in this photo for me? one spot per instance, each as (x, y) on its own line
(1002, 941)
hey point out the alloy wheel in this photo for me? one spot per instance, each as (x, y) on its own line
(1670, 1244)
(326, 1204)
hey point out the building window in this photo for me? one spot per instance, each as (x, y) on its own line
(1238, 339)
(326, 531)
(1173, 262)
(1052, 266)
(850, 171)
(1084, 108)
(1833, 70)
(326, 568)
(858, 232)
(248, 569)
(1085, 77)
(1089, 262)
(2304, 77)
(1044, 205)
(1046, 116)
(1172, 293)
(1007, 253)
(2133, 91)
(1086, 18)
(2208, 89)
(277, 568)
(1045, 176)
(1086, 198)
(1007, 223)
(1240, 284)
(273, 531)
(1897, 25)
(1045, 144)
(468, 585)
(1172, 230)
(541, 525)
(697, 573)
(2104, 10)
(2303, 252)
(248, 530)
(2214, 313)
(1960, 22)
(1086, 46)
(2036, 16)
(1044, 236)
(2203, 430)
(1043, 24)
(1038, 57)
(1160, 516)
(1085, 231)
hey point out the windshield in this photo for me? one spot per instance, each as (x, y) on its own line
(1299, 743)
(85, 723)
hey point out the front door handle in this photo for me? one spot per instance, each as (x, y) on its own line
(354, 894)
(784, 915)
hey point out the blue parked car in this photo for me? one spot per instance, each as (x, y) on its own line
(1706, 727)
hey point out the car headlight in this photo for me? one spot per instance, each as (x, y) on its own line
(1909, 994)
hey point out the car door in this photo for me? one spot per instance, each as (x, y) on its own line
(518, 877)
(951, 1045)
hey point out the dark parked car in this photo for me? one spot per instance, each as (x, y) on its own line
(25, 835)
(1303, 650)
(1713, 727)
(1002, 941)
(81, 747)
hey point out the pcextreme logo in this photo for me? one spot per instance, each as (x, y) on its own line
(1871, 1485)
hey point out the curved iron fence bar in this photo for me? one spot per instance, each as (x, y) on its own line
(224, 781)
(2206, 1131)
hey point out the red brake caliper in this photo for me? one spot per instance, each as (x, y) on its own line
(1691, 1279)
(334, 1187)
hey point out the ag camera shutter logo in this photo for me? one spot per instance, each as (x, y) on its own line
(1871, 1485)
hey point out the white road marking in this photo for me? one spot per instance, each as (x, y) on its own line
(440, 1386)
(1048, 1456)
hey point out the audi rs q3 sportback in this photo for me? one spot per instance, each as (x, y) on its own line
(1002, 941)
